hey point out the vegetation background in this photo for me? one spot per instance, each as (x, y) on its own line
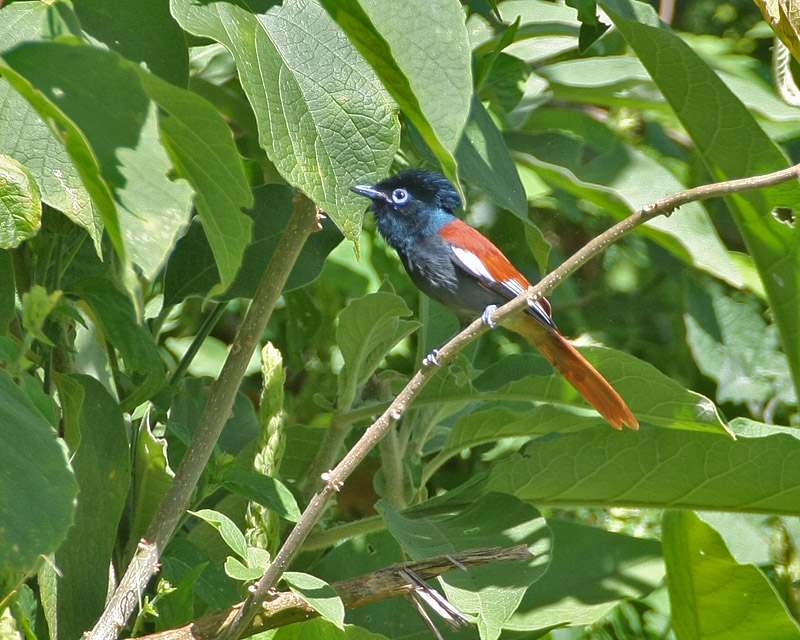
(150, 157)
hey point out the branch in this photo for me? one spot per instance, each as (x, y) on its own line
(287, 607)
(144, 564)
(335, 478)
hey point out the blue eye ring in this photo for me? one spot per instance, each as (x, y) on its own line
(399, 196)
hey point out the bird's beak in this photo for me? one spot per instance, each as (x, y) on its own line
(370, 192)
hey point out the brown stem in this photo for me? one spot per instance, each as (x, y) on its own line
(144, 564)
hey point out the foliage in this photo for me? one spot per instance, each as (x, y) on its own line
(149, 166)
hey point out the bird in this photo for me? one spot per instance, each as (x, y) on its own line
(458, 266)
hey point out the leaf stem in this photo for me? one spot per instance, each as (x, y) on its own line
(205, 329)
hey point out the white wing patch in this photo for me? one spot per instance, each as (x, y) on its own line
(472, 263)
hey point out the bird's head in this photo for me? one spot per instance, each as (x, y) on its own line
(410, 194)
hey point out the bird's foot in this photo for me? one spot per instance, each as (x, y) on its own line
(432, 359)
(486, 316)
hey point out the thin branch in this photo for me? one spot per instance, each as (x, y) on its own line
(287, 607)
(144, 564)
(334, 479)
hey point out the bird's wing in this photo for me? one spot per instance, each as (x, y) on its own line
(478, 256)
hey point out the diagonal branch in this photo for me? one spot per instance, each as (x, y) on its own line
(335, 478)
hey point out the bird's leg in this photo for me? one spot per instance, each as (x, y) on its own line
(432, 359)
(486, 316)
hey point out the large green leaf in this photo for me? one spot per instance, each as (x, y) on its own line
(203, 149)
(97, 434)
(323, 117)
(156, 40)
(590, 573)
(20, 203)
(657, 468)
(711, 595)
(423, 61)
(69, 174)
(38, 489)
(32, 141)
(484, 160)
(732, 145)
(320, 629)
(493, 591)
(101, 93)
(732, 344)
(652, 396)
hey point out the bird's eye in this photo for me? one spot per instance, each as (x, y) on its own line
(399, 196)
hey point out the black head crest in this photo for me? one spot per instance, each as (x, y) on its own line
(428, 186)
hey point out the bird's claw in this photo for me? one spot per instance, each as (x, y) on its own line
(486, 316)
(432, 359)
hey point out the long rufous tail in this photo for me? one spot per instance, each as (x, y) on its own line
(574, 367)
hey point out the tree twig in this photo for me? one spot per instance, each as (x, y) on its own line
(144, 564)
(335, 478)
(286, 607)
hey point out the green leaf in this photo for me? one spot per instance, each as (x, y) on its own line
(152, 478)
(493, 591)
(74, 182)
(320, 629)
(319, 594)
(368, 327)
(204, 153)
(157, 41)
(239, 571)
(192, 269)
(657, 468)
(264, 490)
(732, 344)
(102, 93)
(484, 160)
(227, 529)
(116, 317)
(423, 61)
(97, 435)
(721, 127)
(323, 117)
(576, 153)
(35, 143)
(37, 497)
(590, 573)
(711, 595)
(20, 203)
(591, 27)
